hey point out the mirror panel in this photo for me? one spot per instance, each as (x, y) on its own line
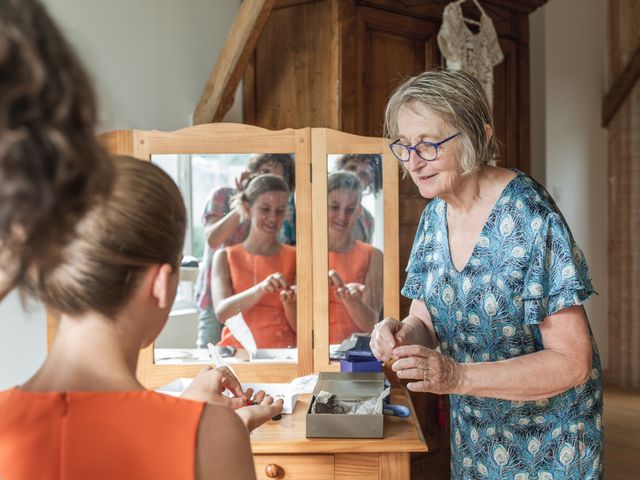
(355, 233)
(242, 247)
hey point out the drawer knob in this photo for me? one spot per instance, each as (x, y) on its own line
(273, 471)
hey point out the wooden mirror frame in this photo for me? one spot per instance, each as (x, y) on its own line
(311, 147)
(324, 142)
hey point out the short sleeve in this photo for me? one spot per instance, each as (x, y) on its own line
(558, 276)
(417, 267)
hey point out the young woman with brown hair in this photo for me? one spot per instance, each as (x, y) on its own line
(84, 414)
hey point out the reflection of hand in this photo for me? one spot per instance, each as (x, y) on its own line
(289, 295)
(273, 283)
(345, 292)
(211, 382)
(350, 292)
(242, 180)
(335, 281)
(387, 335)
(432, 371)
(263, 411)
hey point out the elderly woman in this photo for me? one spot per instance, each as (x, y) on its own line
(498, 284)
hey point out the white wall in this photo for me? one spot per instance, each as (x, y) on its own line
(150, 60)
(568, 40)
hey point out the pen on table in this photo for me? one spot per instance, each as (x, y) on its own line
(220, 362)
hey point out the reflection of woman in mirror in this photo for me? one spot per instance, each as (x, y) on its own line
(256, 277)
(355, 267)
(224, 227)
(368, 170)
(114, 283)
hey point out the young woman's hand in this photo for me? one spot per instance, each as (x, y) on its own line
(273, 283)
(345, 292)
(209, 385)
(289, 295)
(264, 409)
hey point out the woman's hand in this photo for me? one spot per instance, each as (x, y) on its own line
(345, 292)
(264, 409)
(211, 382)
(432, 371)
(243, 180)
(273, 283)
(289, 295)
(387, 335)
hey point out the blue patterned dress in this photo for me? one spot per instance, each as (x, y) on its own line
(524, 267)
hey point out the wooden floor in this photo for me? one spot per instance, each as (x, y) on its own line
(622, 434)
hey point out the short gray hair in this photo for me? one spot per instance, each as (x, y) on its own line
(461, 102)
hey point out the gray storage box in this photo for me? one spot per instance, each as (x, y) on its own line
(348, 386)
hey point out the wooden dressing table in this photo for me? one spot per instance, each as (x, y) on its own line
(282, 451)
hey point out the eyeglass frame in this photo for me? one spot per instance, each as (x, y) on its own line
(414, 148)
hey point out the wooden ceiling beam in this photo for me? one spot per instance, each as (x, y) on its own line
(219, 91)
(621, 88)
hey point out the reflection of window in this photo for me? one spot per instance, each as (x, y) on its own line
(198, 176)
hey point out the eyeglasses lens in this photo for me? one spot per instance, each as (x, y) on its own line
(425, 151)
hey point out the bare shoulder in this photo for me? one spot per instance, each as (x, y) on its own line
(220, 256)
(376, 254)
(223, 449)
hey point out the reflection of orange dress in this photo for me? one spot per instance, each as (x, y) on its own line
(266, 319)
(352, 266)
(97, 435)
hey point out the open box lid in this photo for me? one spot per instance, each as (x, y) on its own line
(350, 384)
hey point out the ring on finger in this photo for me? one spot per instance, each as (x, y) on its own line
(424, 374)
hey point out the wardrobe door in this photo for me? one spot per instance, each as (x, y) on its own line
(507, 112)
(389, 48)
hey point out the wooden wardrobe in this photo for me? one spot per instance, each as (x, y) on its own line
(334, 63)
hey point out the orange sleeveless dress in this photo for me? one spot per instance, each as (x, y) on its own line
(96, 435)
(352, 266)
(266, 319)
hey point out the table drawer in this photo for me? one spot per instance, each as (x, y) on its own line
(294, 467)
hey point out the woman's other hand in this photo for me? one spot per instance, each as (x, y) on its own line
(335, 280)
(345, 292)
(430, 370)
(289, 295)
(350, 292)
(273, 283)
(209, 385)
(387, 335)
(264, 409)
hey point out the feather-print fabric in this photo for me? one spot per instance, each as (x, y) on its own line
(524, 267)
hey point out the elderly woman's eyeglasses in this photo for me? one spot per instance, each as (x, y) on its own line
(426, 150)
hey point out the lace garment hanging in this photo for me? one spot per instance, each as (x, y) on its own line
(474, 53)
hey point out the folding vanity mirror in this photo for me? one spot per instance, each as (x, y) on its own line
(342, 217)
(241, 245)
(355, 211)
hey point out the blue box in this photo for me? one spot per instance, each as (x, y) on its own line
(359, 361)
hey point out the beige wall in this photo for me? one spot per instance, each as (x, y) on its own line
(568, 42)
